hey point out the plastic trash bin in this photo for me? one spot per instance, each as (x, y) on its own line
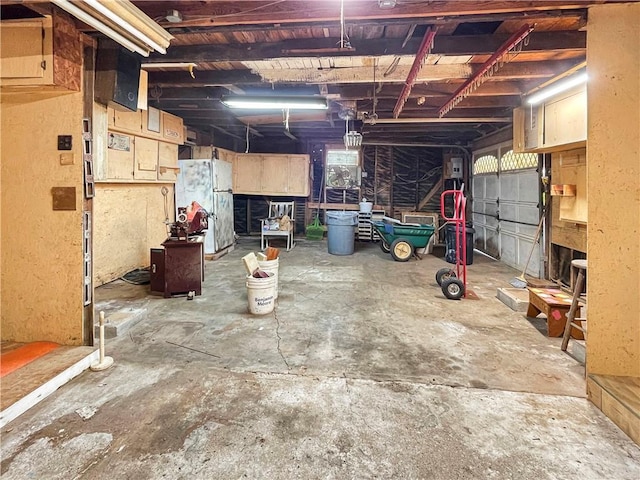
(450, 243)
(341, 232)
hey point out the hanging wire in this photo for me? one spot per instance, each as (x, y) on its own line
(247, 139)
(374, 115)
(341, 23)
(392, 67)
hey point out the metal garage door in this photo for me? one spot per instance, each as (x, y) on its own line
(506, 196)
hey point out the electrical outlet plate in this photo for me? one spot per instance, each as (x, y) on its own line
(67, 159)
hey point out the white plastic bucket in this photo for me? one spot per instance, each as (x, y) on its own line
(271, 266)
(366, 207)
(261, 294)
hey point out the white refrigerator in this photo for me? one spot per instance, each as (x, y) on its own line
(209, 182)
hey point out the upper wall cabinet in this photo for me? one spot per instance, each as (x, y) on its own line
(40, 52)
(559, 124)
(565, 120)
(151, 123)
(271, 174)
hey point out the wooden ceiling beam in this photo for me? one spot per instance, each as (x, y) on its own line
(176, 95)
(436, 102)
(575, 15)
(432, 89)
(445, 45)
(511, 71)
(218, 13)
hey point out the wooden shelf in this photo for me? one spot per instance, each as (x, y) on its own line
(563, 190)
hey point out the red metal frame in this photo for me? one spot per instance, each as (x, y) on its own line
(487, 69)
(421, 55)
(460, 219)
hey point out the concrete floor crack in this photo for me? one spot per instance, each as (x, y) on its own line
(275, 315)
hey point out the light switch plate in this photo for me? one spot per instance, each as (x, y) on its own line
(65, 142)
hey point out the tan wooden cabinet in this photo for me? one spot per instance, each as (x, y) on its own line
(139, 159)
(271, 174)
(38, 52)
(559, 124)
(152, 123)
(26, 46)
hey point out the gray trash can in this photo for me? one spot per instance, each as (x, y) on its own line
(341, 232)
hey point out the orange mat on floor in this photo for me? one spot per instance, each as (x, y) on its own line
(14, 359)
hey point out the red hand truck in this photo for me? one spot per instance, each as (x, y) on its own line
(454, 282)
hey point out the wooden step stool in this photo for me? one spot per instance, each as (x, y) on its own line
(572, 321)
(555, 305)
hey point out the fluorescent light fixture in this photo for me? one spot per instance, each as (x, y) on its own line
(275, 102)
(101, 27)
(126, 25)
(557, 88)
(152, 66)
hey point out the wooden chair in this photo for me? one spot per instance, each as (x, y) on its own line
(280, 223)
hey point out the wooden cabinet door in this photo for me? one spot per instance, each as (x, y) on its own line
(247, 175)
(21, 49)
(167, 161)
(565, 120)
(120, 157)
(152, 123)
(298, 176)
(518, 129)
(128, 121)
(172, 128)
(275, 175)
(146, 159)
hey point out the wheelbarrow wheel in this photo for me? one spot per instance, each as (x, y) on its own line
(453, 288)
(443, 274)
(384, 246)
(401, 250)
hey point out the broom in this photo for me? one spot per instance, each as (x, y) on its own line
(520, 281)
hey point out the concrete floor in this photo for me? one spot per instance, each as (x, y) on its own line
(364, 370)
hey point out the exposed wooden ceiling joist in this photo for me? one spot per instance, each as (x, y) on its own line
(262, 47)
(207, 13)
(449, 45)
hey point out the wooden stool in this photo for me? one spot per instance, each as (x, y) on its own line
(572, 321)
(554, 303)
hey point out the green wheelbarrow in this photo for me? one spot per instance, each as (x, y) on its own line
(402, 240)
